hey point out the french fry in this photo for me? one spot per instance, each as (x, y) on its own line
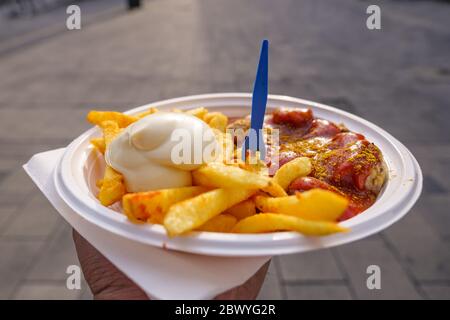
(192, 213)
(99, 118)
(99, 183)
(122, 120)
(219, 175)
(271, 222)
(299, 167)
(242, 210)
(220, 223)
(110, 130)
(216, 120)
(152, 205)
(253, 163)
(99, 144)
(198, 112)
(112, 186)
(275, 189)
(315, 204)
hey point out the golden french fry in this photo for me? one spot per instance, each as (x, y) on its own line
(275, 189)
(152, 205)
(242, 210)
(272, 222)
(220, 223)
(151, 110)
(216, 120)
(253, 163)
(192, 213)
(198, 112)
(110, 130)
(299, 167)
(122, 120)
(99, 183)
(315, 204)
(99, 144)
(112, 188)
(216, 174)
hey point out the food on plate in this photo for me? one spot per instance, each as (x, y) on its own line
(220, 223)
(152, 205)
(121, 119)
(144, 151)
(190, 214)
(242, 210)
(298, 167)
(198, 112)
(99, 144)
(319, 173)
(220, 175)
(315, 204)
(342, 161)
(216, 120)
(271, 222)
(112, 185)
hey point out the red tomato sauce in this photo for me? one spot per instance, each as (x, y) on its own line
(344, 162)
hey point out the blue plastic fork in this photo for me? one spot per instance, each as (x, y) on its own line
(254, 141)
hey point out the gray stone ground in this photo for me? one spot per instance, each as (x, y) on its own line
(398, 78)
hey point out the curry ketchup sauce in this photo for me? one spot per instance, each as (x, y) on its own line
(344, 162)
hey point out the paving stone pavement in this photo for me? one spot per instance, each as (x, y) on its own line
(397, 77)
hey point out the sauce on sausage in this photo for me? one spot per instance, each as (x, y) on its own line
(344, 162)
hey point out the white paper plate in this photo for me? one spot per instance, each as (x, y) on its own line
(79, 168)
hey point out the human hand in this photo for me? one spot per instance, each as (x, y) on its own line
(109, 283)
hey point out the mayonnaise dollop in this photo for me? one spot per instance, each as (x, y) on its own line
(159, 151)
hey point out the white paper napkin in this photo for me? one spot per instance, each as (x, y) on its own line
(161, 274)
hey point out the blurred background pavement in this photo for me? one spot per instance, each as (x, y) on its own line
(397, 77)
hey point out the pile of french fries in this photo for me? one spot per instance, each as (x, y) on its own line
(224, 197)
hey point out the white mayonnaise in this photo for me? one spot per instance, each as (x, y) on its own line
(160, 151)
